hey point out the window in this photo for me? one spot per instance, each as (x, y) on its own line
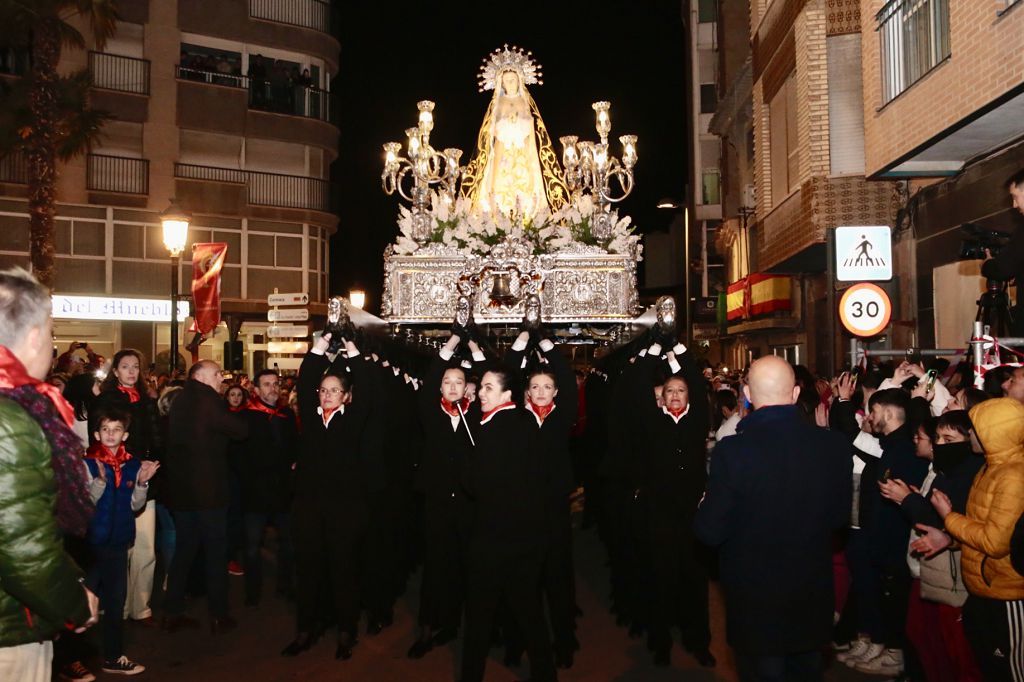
(914, 37)
(708, 98)
(707, 10)
(782, 137)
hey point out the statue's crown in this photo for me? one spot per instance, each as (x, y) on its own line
(509, 59)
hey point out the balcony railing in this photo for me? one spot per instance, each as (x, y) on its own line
(914, 38)
(266, 95)
(117, 72)
(314, 14)
(120, 174)
(265, 189)
(14, 168)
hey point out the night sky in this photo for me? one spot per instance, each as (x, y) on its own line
(630, 52)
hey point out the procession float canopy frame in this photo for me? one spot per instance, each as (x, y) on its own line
(514, 221)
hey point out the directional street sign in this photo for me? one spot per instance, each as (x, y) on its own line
(286, 347)
(863, 253)
(288, 299)
(865, 309)
(288, 331)
(287, 315)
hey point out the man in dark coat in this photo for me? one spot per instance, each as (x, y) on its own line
(196, 466)
(778, 491)
(265, 473)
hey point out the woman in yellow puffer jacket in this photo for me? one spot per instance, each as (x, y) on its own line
(994, 613)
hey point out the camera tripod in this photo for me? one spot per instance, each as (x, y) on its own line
(994, 308)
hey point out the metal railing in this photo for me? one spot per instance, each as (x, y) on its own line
(14, 168)
(914, 38)
(314, 14)
(117, 72)
(265, 95)
(120, 174)
(265, 189)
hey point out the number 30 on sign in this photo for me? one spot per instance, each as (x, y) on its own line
(865, 309)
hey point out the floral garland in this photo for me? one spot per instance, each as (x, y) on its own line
(475, 233)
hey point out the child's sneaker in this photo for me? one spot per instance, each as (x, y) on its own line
(123, 666)
(76, 672)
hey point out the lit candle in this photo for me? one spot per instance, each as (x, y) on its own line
(426, 108)
(628, 150)
(604, 120)
(413, 135)
(570, 158)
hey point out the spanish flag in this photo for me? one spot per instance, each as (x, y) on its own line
(758, 294)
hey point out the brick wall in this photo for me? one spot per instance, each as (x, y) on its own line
(812, 90)
(987, 59)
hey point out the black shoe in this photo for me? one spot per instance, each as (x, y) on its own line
(704, 657)
(662, 658)
(302, 641)
(420, 648)
(345, 644)
(373, 627)
(222, 625)
(444, 635)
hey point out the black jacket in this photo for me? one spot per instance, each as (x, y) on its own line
(957, 486)
(196, 463)
(444, 450)
(778, 491)
(265, 459)
(888, 530)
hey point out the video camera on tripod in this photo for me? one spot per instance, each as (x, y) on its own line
(994, 305)
(976, 241)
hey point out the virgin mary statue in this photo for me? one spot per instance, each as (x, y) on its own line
(515, 170)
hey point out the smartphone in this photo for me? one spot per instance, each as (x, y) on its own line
(887, 476)
(930, 377)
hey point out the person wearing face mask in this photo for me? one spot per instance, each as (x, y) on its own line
(332, 487)
(934, 614)
(124, 390)
(447, 510)
(551, 397)
(504, 475)
(672, 478)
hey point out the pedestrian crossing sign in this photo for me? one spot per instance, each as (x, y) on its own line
(863, 253)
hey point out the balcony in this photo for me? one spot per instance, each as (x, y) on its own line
(313, 14)
(120, 73)
(119, 174)
(914, 37)
(284, 98)
(265, 189)
(14, 169)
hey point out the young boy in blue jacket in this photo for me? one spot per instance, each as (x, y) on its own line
(118, 485)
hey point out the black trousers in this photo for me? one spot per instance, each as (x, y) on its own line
(444, 564)
(379, 558)
(995, 630)
(326, 538)
(801, 667)
(108, 578)
(207, 528)
(558, 583)
(494, 575)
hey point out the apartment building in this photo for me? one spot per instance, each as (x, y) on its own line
(944, 116)
(226, 107)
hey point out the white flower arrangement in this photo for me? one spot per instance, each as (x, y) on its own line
(476, 232)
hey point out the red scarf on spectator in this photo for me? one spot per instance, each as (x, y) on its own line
(13, 375)
(257, 405)
(452, 409)
(130, 391)
(541, 412)
(237, 409)
(116, 460)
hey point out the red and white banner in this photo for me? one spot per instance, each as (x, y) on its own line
(207, 262)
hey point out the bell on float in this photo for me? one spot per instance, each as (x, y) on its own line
(501, 290)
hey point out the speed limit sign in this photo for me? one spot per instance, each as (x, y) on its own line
(865, 309)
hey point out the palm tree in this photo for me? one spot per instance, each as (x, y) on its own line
(46, 116)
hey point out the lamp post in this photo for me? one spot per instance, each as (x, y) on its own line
(357, 298)
(674, 205)
(175, 222)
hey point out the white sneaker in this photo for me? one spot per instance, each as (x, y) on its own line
(123, 666)
(872, 652)
(890, 662)
(856, 649)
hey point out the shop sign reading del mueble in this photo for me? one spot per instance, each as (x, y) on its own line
(513, 222)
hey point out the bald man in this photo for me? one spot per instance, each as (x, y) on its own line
(196, 469)
(778, 491)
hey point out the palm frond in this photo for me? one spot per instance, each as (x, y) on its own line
(102, 16)
(79, 126)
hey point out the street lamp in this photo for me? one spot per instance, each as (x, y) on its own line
(175, 222)
(357, 298)
(674, 205)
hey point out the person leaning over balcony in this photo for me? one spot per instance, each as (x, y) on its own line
(995, 608)
(43, 490)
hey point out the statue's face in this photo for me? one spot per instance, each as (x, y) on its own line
(510, 82)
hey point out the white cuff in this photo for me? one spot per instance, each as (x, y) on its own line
(655, 350)
(521, 342)
(446, 354)
(674, 364)
(316, 351)
(479, 356)
(546, 345)
(679, 349)
(642, 352)
(353, 353)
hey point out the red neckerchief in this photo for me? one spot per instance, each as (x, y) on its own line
(486, 416)
(257, 405)
(452, 409)
(326, 414)
(116, 460)
(237, 409)
(540, 412)
(13, 374)
(676, 414)
(130, 391)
